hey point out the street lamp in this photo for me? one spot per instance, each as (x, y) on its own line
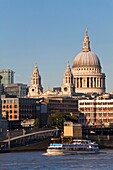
(8, 135)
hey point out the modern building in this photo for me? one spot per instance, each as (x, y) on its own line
(87, 70)
(7, 77)
(18, 109)
(72, 130)
(0, 109)
(1, 89)
(98, 110)
(18, 89)
(35, 88)
(64, 105)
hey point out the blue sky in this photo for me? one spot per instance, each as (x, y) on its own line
(50, 33)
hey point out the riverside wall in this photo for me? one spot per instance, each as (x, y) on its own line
(42, 145)
(103, 136)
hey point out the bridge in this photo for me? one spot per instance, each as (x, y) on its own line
(32, 141)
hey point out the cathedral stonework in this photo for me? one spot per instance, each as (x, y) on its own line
(67, 87)
(35, 88)
(86, 70)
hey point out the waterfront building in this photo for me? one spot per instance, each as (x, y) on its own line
(3, 122)
(17, 89)
(72, 130)
(1, 89)
(17, 109)
(0, 109)
(98, 110)
(35, 88)
(86, 70)
(66, 105)
(7, 77)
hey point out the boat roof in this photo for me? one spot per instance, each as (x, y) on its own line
(55, 144)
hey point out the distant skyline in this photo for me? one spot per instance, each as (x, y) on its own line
(50, 33)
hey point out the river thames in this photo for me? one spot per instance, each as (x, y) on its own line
(40, 161)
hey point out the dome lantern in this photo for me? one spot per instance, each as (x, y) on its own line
(86, 42)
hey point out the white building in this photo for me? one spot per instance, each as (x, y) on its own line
(98, 111)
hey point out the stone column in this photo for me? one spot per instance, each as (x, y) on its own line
(100, 82)
(96, 82)
(89, 81)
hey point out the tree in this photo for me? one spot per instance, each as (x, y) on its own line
(56, 119)
(72, 118)
(36, 123)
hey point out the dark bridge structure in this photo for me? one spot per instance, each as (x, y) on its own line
(32, 141)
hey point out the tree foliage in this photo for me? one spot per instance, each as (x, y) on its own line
(57, 119)
(36, 123)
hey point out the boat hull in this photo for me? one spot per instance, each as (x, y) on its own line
(63, 152)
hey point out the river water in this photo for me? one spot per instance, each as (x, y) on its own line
(40, 161)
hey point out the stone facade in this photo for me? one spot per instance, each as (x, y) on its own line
(35, 88)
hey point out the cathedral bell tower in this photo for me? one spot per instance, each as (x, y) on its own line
(35, 88)
(67, 87)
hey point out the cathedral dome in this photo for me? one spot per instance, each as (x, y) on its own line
(86, 70)
(85, 59)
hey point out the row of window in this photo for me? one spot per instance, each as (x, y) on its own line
(87, 69)
(99, 114)
(9, 101)
(9, 106)
(15, 117)
(16, 106)
(96, 109)
(98, 103)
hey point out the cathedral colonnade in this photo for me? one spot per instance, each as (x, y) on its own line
(89, 82)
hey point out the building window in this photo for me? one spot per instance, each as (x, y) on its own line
(10, 101)
(15, 101)
(4, 101)
(4, 106)
(15, 116)
(15, 111)
(15, 106)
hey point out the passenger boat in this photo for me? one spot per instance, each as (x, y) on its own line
(76, 147)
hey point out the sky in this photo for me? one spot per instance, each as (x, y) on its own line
(50, 33)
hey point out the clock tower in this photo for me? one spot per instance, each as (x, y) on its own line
(35, 88)
(67, 87)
